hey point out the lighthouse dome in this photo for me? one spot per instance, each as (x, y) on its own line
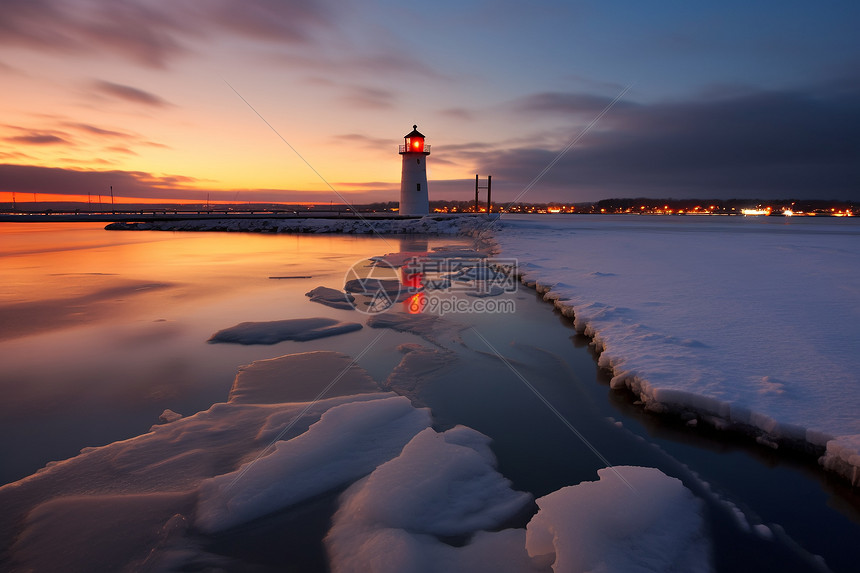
(414, 133)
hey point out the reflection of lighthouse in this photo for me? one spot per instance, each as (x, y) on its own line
(413, 178)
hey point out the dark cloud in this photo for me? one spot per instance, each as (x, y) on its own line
(33, 179)
(37, 139)
(151, 33)
(139, 184)
(143, 32)
(120, 149)
(274, 20)
(94, 130)
(129, 93)
(566, 103)
(803, 143)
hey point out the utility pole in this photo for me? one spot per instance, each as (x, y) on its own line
(488, 187)
(113, 209)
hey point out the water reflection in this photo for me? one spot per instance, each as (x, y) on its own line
(100, 331)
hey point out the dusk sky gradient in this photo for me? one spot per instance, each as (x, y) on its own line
(728, 99)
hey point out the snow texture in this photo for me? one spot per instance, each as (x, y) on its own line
(348, 442)
(441, 485)
(276, 331)
(632, 519)
(750, 323)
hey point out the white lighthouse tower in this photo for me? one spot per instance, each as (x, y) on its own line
(413, 178)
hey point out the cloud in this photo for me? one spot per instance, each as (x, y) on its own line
(139, 184)
(274, 20)
(802, 143)
(347, 63)
(458, 113)
(128, 93)
(152, 33)
(374, 143)
(368, 97)
(94, 130)
(145, 33)
(37, 139)
(566, 103)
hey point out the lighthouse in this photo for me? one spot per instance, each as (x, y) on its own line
(413, 177)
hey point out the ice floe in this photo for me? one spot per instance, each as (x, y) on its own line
(332, 297)
(348, 442)
(440, 486)
(275, 331)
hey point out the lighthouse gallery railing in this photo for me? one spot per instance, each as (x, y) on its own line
(406, 149)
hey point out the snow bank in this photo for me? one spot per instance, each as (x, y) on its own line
(650, 523)
(348, 442)
(429, 225)
(843, 457)
(750, 324)
(276, 331)
(441, 485)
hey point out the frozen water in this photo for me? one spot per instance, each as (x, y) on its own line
(276, 331)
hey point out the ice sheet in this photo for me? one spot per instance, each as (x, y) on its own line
(752, 324)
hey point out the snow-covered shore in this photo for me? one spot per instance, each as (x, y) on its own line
(431, 224)
(741, 324)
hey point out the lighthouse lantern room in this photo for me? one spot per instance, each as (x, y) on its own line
(414, 199)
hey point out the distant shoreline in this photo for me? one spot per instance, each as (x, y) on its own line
(347, 224)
